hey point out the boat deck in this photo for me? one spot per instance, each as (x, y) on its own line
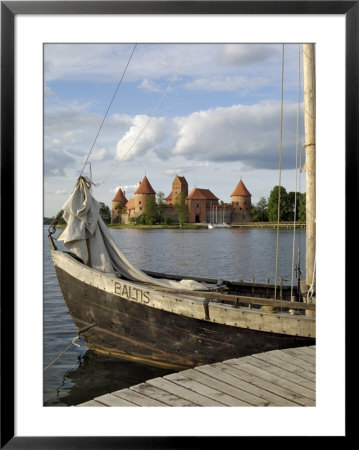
(274, 378)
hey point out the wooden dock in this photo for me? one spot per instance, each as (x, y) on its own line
(275, 378)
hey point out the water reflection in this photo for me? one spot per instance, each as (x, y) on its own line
(99, 374)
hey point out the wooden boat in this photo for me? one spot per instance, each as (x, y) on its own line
(178, 328)
(171, 320)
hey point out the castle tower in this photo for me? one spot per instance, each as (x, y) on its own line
(179, 185)
(118, 206)
(143, 191)
(241, 202)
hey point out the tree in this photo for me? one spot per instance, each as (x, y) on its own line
(291, 196)
(285, 211)
(181, 208)
(160, 206)
(260, 211)
(302, 208)
(105, 213)
(120, 208)
(149, 217)
(167, 220)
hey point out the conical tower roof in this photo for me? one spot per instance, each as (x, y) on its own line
(120, 197)
(241, 190)
(145, 187)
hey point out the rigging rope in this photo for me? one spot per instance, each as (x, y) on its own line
(280, 178)
(150, 118)
(296, 174)
(108, 109)
(73, 342)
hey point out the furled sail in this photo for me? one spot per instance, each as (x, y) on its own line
(87, 236)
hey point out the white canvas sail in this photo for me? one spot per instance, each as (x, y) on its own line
(87, 236)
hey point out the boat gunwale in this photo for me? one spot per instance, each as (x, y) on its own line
(235, 299)
(191, 307)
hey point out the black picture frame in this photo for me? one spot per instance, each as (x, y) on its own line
(9, 10)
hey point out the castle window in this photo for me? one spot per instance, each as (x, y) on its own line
(139, 203)
(237, 203)
(141, 208)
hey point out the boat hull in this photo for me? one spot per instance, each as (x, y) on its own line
(134, 330)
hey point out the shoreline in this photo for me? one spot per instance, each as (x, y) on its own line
(201, 226)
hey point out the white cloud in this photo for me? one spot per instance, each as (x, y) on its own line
(48, 92)
(247, 54)
(124, 188)
(106, 62)
(145, 134)
(227, 83)
(56, 161)
(149, 85)
(249, 134)
(99, 155)
(177, 170)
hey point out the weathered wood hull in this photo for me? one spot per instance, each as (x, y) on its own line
(131, 322)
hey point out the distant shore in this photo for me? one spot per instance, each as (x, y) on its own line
(270, 225)
(197, 226)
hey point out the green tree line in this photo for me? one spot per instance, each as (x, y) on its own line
(292, 206)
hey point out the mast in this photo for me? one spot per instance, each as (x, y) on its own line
(310, 164)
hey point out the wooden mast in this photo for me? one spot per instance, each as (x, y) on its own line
(310, 164)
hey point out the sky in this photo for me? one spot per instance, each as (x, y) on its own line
(209, 112)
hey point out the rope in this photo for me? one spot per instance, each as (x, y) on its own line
(280, 178)
(73, 342)
(150, 118)
(52, 227)
(296, 176)
(108, 109)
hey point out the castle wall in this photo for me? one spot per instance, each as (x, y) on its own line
(240, 217)
(197, 211)
(210, 217)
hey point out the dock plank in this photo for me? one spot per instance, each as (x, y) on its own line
(279, 381)
(285, 365)
(257, 381)
(199, 388)
(91, 403)
(282, 373)
(293, 360)
(187, 394)
(138, 399)
(242, 398)
(113, 400)
(158, 394)
(300, 354)
(265, 398)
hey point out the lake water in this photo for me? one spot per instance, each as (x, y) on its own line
(232, 254)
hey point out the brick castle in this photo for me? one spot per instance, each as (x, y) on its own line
(203, 206)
